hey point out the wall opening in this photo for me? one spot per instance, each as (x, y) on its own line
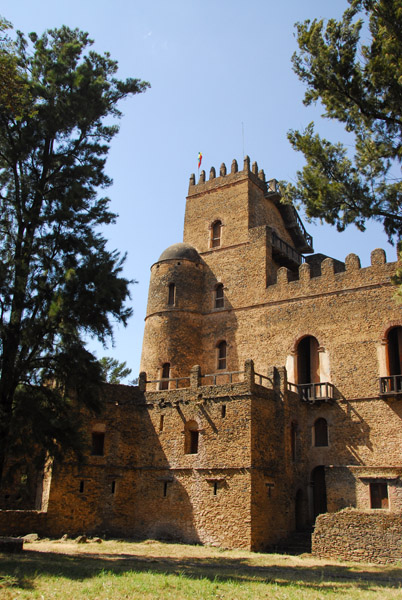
(98, 443)
(161, 422)
(81, 487)
(379, 495)
(215, 488)
(299, 513)
(223, 411)
(319, 491)
(165, 487)
(191, 441)
(320, 433)
(113, 487)
(172, 294)
(219, 296)
(216, 232)
(222, 352)
(394, 351)
(164, 385)
(293, 440)
(308, 365)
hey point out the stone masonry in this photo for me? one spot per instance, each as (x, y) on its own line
(270, 388)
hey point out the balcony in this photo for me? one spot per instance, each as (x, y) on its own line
(391, 385)
(314, 392)
(286, 255)
(303, 240)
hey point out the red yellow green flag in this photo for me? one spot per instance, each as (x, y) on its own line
(199, 159)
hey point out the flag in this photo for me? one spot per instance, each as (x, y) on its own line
(199, 159)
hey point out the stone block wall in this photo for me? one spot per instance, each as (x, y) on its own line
(21, 522)
(359, 536)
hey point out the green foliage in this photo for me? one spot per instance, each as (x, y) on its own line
(113, 371)
(354, 68)
(58, 281)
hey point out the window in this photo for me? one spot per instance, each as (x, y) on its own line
(320, 433)
(223, 411)
(293, 439)
(164, 385)
(222, 350)
(98, 441)
(81, 487)
(172, 294)
(191, 438)
(161, 422)
(215, 488)
(165, 486)
(379, 495)
(219, 298)
(113, 487)
(216, 234)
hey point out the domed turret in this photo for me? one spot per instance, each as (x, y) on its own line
(180, 251)
(172, 324)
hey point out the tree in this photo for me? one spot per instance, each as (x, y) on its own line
(354, 68)
(113, 371)
(58, 281)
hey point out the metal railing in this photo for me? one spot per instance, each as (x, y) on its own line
(313, 392)
(391, 385)
(286, 249)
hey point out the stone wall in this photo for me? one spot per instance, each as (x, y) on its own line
(359, 536)
(22, 522)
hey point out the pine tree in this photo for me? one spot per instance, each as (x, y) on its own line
(354, 68)
(58, 281)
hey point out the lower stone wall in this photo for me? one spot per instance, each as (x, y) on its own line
(22, 522)
(359, 536)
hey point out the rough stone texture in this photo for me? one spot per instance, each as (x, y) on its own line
(251, 480)
(359, 536)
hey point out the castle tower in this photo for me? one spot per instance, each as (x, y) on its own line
(173, 321)
(237, 234)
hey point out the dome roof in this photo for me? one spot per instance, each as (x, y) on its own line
(180, 251)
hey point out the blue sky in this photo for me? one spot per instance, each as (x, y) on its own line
(216, 68)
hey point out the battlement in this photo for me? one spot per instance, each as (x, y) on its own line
(320, 274)
(225, 178)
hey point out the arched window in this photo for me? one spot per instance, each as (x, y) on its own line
(164, 385)
(219, 297)
(216, 232)
(321, 432)
(394, 351)
(222, 351)
(191, 438)
(172, 294)
(308, 361)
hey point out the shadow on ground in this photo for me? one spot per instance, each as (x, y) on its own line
(22, 570)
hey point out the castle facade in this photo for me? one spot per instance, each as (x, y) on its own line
(270, 387)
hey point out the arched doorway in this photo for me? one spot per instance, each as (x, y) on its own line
(308, 367)
(319, 491)
(394, 351)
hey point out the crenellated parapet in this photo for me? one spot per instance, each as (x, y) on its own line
(225, 178)
(329, 275)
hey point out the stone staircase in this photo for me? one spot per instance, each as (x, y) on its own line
(298, 542)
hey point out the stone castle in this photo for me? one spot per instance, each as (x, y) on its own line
(269, 392)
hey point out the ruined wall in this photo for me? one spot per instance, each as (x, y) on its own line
(359, 536)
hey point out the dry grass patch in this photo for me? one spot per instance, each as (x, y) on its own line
(151, 569)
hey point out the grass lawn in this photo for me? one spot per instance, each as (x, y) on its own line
(114, 570)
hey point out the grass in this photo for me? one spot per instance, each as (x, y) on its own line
(118, 569)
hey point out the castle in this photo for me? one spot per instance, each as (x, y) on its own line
(269, 391)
